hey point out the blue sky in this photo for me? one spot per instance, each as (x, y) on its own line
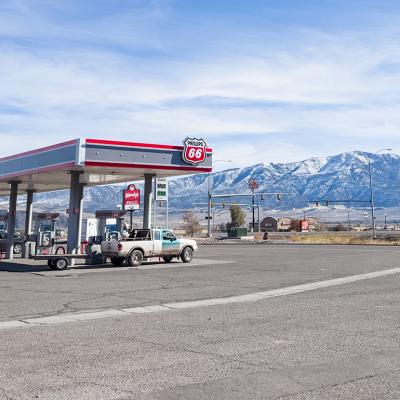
(262, 81)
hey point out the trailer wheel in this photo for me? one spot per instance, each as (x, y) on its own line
(187, 255)
(17, 248)
(135, 258)
(168, 259)
(60, 263)
(117, 261)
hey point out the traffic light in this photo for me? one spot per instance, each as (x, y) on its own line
(279, 197)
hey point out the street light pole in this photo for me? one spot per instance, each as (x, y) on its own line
(372, 191)
(371, 197)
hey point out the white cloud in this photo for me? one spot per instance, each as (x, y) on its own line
(335, 87)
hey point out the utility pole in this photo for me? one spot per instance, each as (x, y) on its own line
(348, 221)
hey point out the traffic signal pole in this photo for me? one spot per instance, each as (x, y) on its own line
(209, 234)
(254, 212)
(230, 195)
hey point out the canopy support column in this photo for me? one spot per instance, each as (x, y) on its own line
(12, 213)
(148, 196)
(75, 213)
(28, 212)
(28, 219)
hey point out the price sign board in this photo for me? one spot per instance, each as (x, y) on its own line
(161, 189)
(131, 198)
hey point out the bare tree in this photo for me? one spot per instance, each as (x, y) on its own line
(191, 223)
(295, 225)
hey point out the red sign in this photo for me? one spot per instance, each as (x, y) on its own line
(131, 198)
(253, 184)
(304, 224)
(194, 151)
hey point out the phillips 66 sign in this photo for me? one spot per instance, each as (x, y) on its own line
(194, 151)
(131, 198)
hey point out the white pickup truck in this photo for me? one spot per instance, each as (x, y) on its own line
(146, 243)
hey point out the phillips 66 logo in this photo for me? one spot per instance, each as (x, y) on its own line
(194, 151)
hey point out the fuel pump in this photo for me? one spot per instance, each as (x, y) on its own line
(3, 224)
(107, 230)
(45, 233)
(110, 225)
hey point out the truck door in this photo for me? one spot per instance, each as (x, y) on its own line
(157, 243)
(170, 244)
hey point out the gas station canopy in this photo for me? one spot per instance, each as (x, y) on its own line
(98, 161)
(89, 162)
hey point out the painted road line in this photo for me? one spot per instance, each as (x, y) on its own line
(79, 270)
(246, 298)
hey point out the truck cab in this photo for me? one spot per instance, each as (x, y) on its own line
(146, 243)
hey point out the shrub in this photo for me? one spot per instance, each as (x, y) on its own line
(238, 217)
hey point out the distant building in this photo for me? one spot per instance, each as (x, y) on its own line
(284, 224)
(269, 224)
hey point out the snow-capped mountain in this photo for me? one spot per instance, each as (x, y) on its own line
(340, 177)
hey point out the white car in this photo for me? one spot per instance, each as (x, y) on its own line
(145, 243)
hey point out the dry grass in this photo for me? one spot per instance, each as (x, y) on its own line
(344, 239)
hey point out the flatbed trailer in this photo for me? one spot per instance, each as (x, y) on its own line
(58, 261)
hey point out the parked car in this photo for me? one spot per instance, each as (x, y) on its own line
(18, 242)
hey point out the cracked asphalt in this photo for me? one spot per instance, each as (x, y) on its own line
(334, 343)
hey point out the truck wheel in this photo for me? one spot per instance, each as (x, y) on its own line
(135, 258)
(187, 255)
(168, 259)
(51, 263)
(117, 261)
(60, 263)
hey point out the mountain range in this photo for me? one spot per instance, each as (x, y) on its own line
(340, 177)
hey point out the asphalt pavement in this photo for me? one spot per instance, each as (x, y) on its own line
(249, 322)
